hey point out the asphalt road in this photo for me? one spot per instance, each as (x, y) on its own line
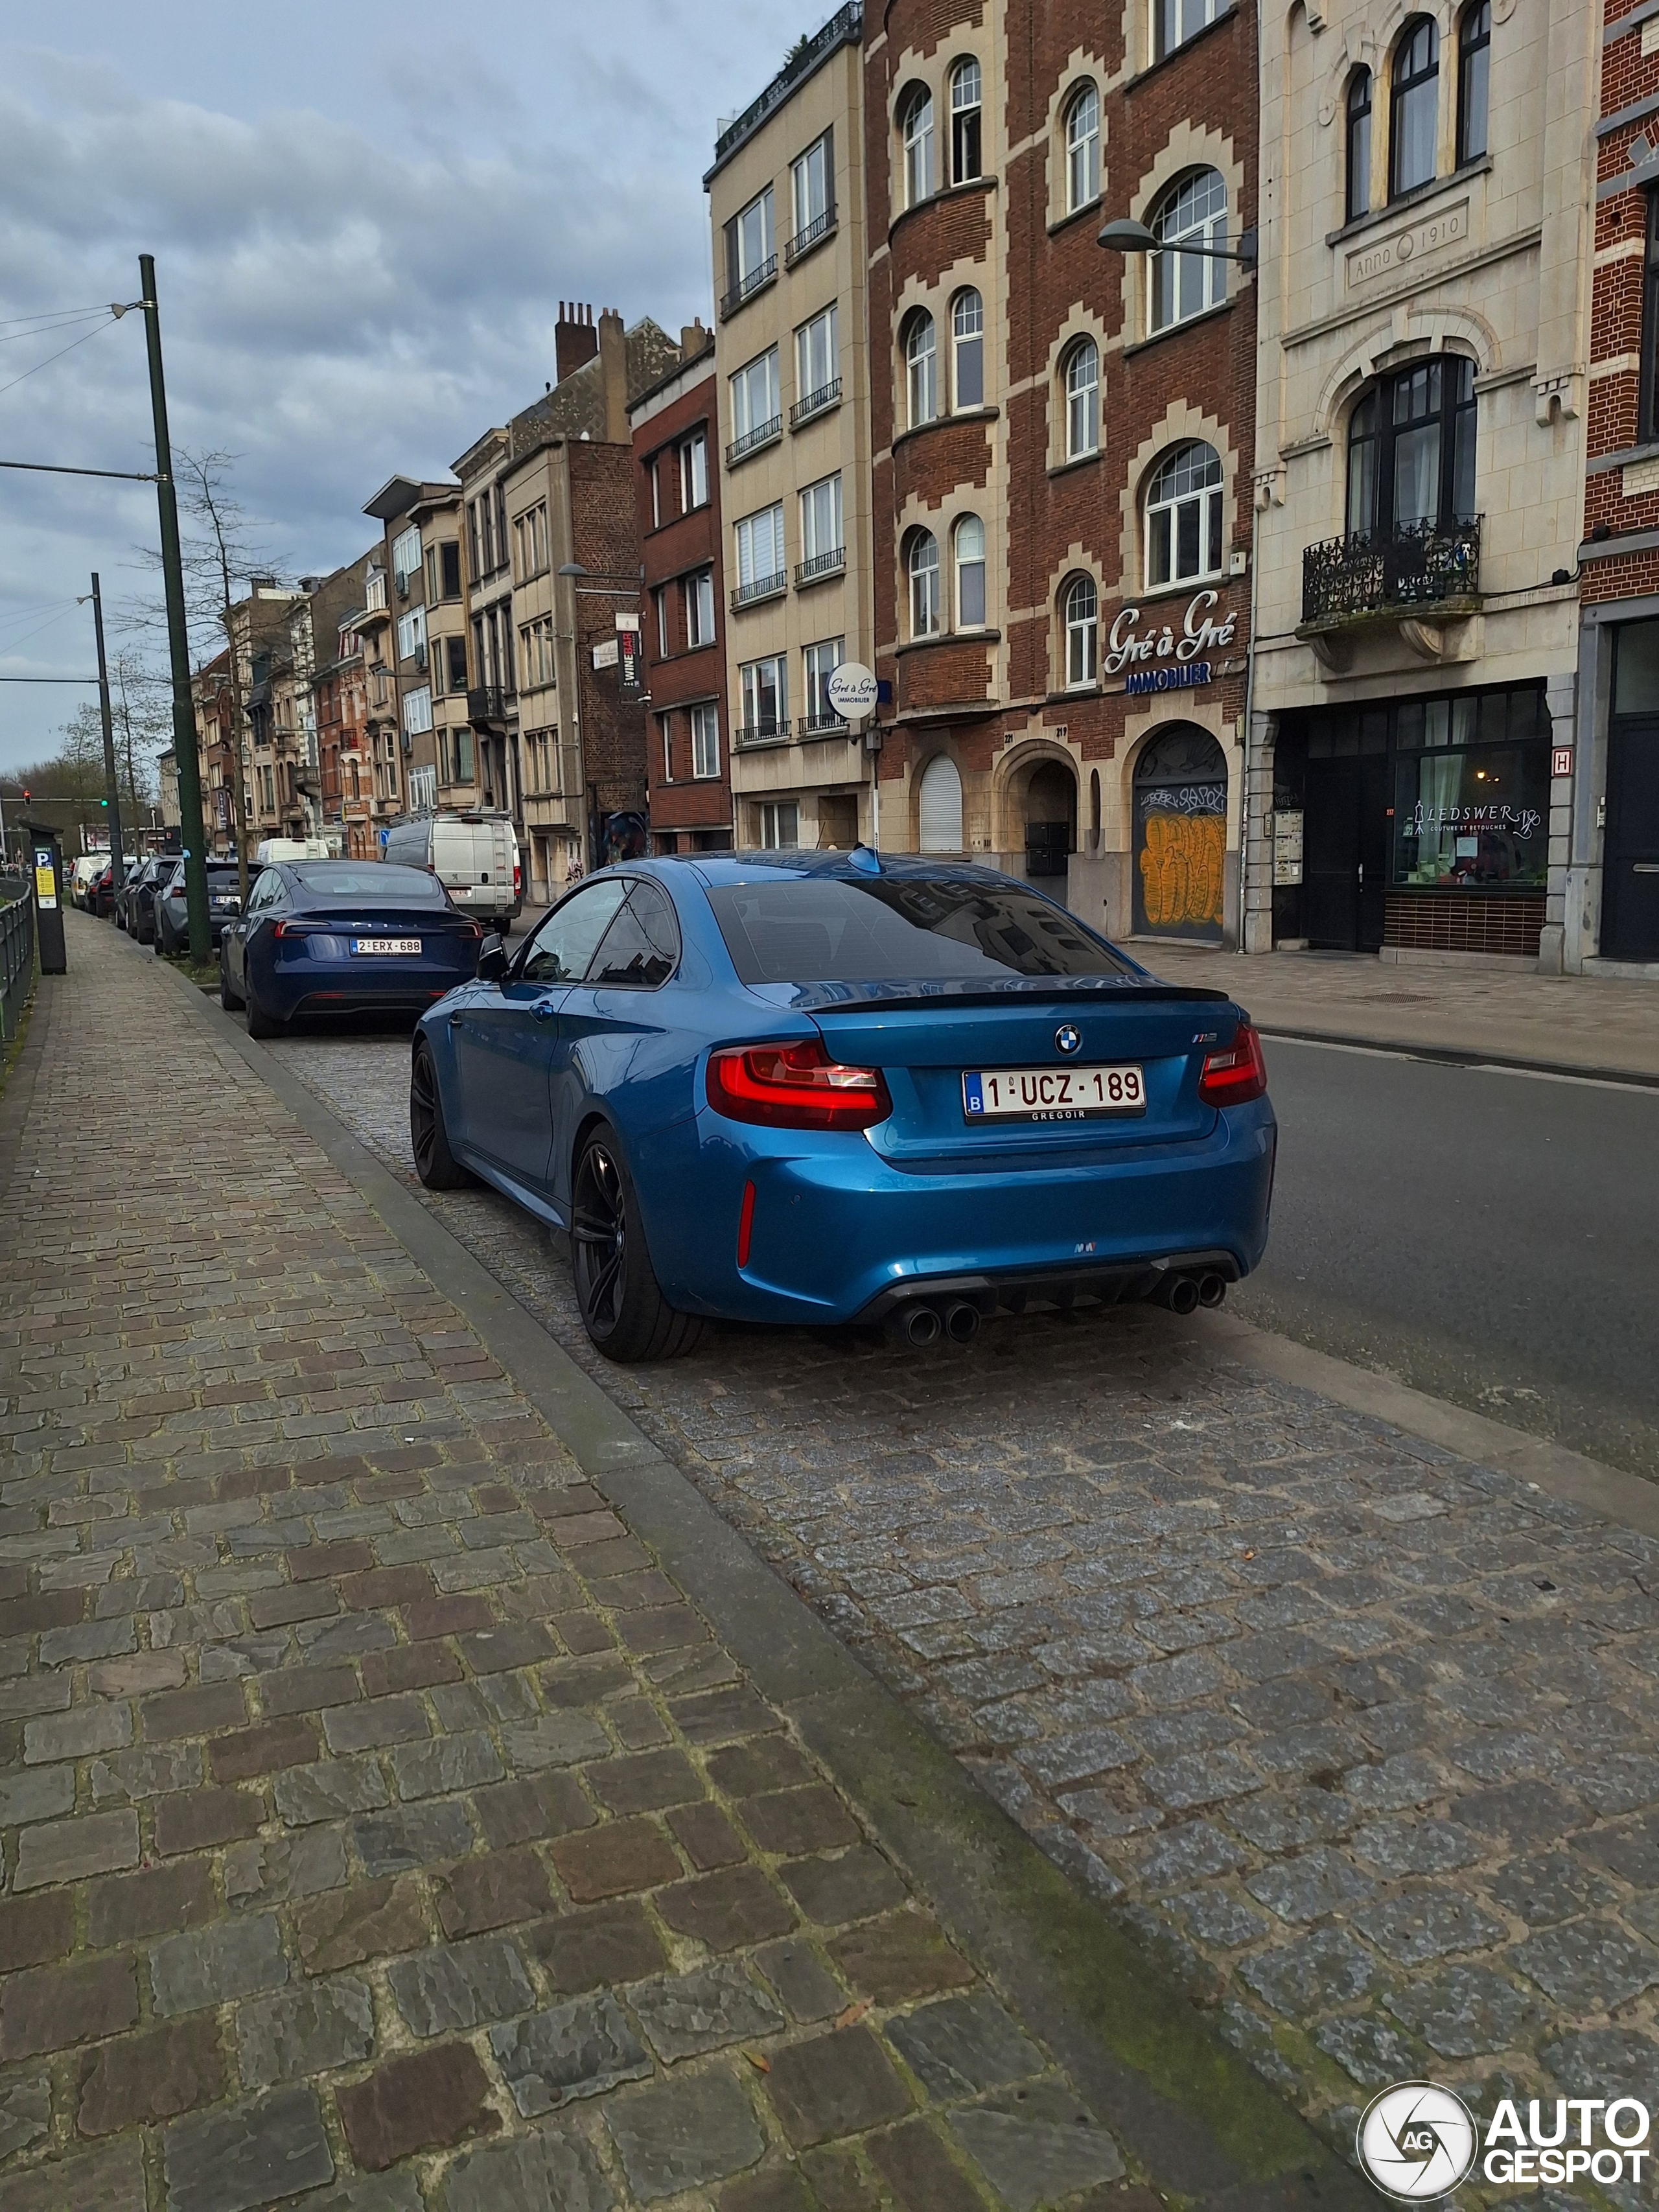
(1491, 1238)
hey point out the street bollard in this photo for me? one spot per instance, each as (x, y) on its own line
(48, 898)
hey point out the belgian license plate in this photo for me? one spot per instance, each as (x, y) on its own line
(1051, 1094)
(385, 943)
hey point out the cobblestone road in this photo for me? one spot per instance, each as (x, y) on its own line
(1361, 1734)
(380, 1830)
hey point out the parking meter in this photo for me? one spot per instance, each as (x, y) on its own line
(48, 864)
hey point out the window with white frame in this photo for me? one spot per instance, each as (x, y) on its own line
(653, 473)
(921, 563)
(756, 405)
(821, 543)
(918, 129)
(405, 555)
(411, 634)
(1081, 606)
(694, 471)
(779, 824)
(819, 664)
(1191, 213)
(966, 351)
(760, 549)
(751, 247)
(921, 369)
(1083, 149)
(1082, 400)
(665, 731)
(1175, 22)
(660, 602)
(536, 652)
(699, 596)
(966, 108)
(967, 550)
(529, 541)
(1183, 517)
(812, 183)
(705, 740)
(763, 691)
(817, 360)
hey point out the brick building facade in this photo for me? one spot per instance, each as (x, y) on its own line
(1611, 902)
(1062, 441)
(677, 488)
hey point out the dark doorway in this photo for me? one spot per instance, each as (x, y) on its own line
(1050, 820)
(1630, 858)
(1345, 833)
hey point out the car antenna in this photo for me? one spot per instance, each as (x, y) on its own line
(865, 859)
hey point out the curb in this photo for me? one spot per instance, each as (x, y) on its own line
(1627, 1078)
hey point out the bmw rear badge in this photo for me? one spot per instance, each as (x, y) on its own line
(1067, 1039)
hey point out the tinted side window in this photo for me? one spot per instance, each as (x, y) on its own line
(642, 947)
(560, 948)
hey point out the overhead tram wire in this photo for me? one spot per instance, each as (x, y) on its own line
(54, 315)
(46, 330)
(107, 323)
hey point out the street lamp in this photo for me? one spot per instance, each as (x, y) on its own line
(1125, 237)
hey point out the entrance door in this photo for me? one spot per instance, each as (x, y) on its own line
(1346, 852)
(1630, 858)
(1180, 836)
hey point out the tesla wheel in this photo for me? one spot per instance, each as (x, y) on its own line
(436, 1164)
(228, 998)
(622, 1307)
(259, 1023)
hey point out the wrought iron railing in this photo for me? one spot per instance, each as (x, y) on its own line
(770, 729)
(486, 702)
(821, 565)
(1423, 565)
(809, 235)
(760, 587)
(845, 23)
(815, 403)
(746, 286)
(827, 725)
(752, 441)
(16, 951)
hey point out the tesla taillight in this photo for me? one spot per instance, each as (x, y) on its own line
(300, 928)
(795, 1086)
(1235, 1077)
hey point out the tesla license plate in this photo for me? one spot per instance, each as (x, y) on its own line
(1051, 1094)
(385, 943)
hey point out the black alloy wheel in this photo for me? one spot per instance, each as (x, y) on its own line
(428, 1136)
(622, 1306)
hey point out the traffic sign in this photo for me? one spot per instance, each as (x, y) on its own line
(386, 839)
(851, 690)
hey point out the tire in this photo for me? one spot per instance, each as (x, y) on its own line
(259, 1023)
(622, 1304)
(228, 998)
(436, 1164)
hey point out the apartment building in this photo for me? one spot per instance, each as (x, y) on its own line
(787, 205)
(421, 554)
(1610, 792)
(677, 483)
(1427, 189)
(1063, 442)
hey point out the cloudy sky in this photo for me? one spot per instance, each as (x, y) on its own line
(363, 221)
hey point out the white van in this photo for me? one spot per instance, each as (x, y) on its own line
(474, 856)
(295, 848)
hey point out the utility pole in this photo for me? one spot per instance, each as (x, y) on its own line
(116, 859)
(184, 713)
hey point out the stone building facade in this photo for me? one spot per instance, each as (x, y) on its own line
(1062, 443)
(1422, 398)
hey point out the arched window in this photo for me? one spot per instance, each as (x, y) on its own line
(918, 125)
(965, 98)
(1191, 213)
(1414, 107)
(1412, 451)
(967, 350)
(1474, 67)
(969, 542)
(921, 369)
(1359, 144)
(1081, 608)
(1083, 149)
(1082, 400)
(921, 561)
(1183, 517)
(939, 804)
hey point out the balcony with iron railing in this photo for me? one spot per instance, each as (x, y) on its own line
(758, 588)
(816, 403)
(770, 729)
(819, 566)
(763, 433)
(845, 25)
(809, 235)
(827, 725)
(1433, 565)
(486, 702)
(752, 281)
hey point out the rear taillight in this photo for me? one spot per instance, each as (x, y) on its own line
(518, 879)
(299, 929)
(176, 891)
(1236, 1076)
(795, 1086)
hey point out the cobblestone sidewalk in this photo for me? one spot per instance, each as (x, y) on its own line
(1361, 1734)
(382, 1830)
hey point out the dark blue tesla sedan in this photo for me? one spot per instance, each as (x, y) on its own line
(828, 1087)
(342, 937)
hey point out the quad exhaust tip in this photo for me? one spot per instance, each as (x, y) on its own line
(962, 1321)
(922, 1325)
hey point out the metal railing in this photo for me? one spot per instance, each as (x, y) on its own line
(752, 441)
(769, 731)
(815, 403)
(809, 235)
(830, 725)
(1422, 565)
(845, 23)
(760, 587)
(819, 565)
(486, 702)
(755, 281)
(16, 951)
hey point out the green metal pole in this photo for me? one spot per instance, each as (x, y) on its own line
(118, 859)
(172, 576)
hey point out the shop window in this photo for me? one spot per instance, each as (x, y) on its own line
(921, 565)
(1183, 517)
(1081, 606)
(967, 546)
(1414, 107)
(1471, 797)
(1411, 450)
(1083, 151)
(1473, 75)
(917, 126)
(1359, 144)
(1082, 400)
(779, 824)
(965, 113)
(968, 350)
(920, 369)
(1194, 212)
(1175, 22)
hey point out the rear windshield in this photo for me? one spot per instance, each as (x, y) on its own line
(381, 879)
(828, 930)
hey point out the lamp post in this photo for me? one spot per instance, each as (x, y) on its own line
(1127, 237)
(574, 573)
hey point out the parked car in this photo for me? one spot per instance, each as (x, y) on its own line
(100, 892)
(474, 856)
(833, 1087)
(139, 894)
(172, 908)
(84, 873)
(343, 936)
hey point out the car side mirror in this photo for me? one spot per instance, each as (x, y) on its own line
(492, 960)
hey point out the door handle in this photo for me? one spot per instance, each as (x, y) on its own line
(1645, 868)
(455, 1020)
(544, 1009)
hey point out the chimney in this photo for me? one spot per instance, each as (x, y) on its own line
(574, 339)
(693, 339)
(613, 367)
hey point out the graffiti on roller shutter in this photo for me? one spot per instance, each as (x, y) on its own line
(1182, 853)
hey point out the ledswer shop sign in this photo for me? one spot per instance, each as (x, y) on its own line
(1418, 2140)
